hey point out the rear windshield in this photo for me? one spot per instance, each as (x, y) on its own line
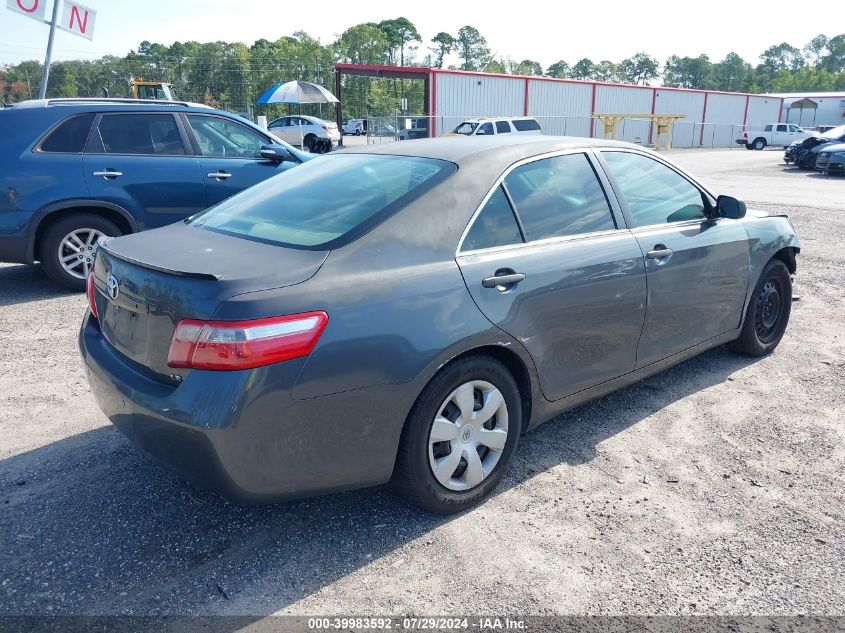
(325, 202)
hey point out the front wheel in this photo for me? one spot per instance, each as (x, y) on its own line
(768, 312)
(460, 436)
(68, 248)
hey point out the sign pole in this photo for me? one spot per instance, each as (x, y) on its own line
(42, 91)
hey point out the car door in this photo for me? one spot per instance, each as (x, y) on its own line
(230, 155)
(697, 267)
(782, 135)
(548, 261)
(142, 162)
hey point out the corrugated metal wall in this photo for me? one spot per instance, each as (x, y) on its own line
(564, 107)
(687, 131)
(561, 107)
(762, 111)
(462, 96)
(624, 100)
(725, 114)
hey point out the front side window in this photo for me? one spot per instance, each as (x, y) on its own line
(655, 193)
(494, 225)
(486, 128)
(327, 202)
(559, 196)
(222, 138)
(140, 134)
(467, 127)
(70, 136)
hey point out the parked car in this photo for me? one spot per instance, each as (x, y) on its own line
(782, 134)
(500, 125)
(805, 153)
(355, 127)
(417, 127)
(411, 320)
(831, 159)
(73, 170)
(306, 131)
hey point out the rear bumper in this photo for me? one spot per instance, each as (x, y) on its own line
(240, 433)
(741, 141)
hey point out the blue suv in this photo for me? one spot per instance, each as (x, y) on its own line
(73, 170)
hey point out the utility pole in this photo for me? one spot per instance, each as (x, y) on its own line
(42, 90)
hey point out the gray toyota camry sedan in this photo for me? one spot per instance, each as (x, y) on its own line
(404, 312)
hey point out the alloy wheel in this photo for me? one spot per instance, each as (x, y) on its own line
(468, 435)
(77, 251)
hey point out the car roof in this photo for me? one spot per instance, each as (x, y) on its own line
(458, 149)
(501, 118)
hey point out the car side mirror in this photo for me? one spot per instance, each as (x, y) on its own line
(276, 153)
(730, 207)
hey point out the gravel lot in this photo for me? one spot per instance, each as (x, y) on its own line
(715, 487)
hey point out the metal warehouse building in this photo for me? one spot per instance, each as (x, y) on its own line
(809, 109)
(567, 106)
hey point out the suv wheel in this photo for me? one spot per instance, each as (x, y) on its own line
(69, 247)
(460, 436)
(760, 143)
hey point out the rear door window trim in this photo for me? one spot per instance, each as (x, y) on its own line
(612, 202)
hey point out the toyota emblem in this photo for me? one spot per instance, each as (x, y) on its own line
(112, 287)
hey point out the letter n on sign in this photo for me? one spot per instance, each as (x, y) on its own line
(78, 19)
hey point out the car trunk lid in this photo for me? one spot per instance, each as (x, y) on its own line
(182, 272)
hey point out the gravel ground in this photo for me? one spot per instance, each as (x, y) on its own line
(715, 487)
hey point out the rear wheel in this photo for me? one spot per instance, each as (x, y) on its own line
(310, 142)
(460, 436)
(768, 311)
(69, 246)
(759, 143)
(749, 146)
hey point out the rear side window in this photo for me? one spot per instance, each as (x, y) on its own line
(495, 225)
(140, 134)
(768, 128)
(782, 128)
(526, 125)
(326, 202)
(70, 136)
(559, 196)
(655, 193)
(502, 127)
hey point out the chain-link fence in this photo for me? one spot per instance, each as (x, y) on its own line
(685, 134)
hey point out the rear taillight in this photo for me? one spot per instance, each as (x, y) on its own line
(745, 135)
(244, 344)
(90, 292)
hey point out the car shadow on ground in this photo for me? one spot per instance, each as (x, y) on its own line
(23, 284)
(91, 527)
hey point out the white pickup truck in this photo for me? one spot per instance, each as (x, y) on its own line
(782, 134)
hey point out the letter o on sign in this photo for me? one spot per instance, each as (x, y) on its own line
(32, 8)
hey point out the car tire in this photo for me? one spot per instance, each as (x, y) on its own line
(767, 314)
(309, 142)
(749, 146)
(57, 240)
(436, 414)
(759, 144)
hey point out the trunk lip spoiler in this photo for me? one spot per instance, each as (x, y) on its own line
(161, 269)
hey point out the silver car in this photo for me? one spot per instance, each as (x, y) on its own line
(405, 312)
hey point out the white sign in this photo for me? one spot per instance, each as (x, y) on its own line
(77, 19)
(35, 9)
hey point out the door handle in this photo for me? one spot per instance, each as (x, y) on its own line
(222, 175)
(109, 173)
(502, 280)
(660, 252)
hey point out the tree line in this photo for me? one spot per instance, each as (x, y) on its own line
(233, 75)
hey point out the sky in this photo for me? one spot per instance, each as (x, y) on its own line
(545, 31)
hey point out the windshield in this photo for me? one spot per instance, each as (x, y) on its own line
(834, 133)
(465, 128)
(325, 202)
